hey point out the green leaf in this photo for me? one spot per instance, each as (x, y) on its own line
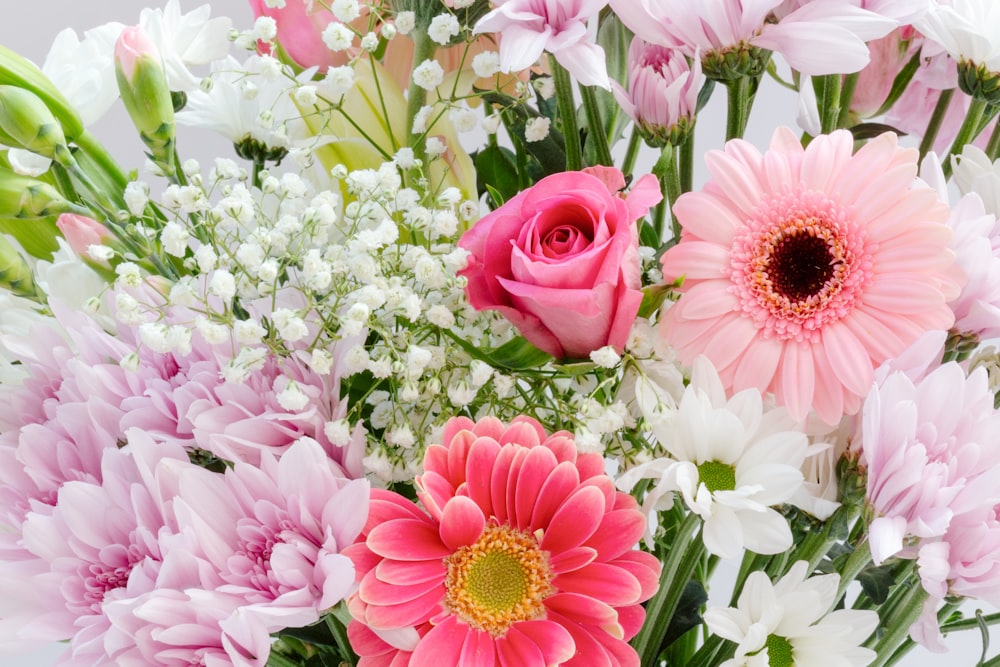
(688, 614)
(705, 94)
(652, 298)
(876, 582)
(518, 354)
(496, 173)
(863, 131)
(37, 237)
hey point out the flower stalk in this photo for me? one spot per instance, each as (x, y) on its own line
(567, 114)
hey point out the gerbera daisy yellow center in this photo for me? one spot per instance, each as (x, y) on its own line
(499, 580)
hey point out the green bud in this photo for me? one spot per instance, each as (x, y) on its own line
(735, 62)
(145, 94)
(25, 122)
(978, 81)
(24, 197)
(15, 70)
(15, 274)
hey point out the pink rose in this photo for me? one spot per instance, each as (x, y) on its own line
(560, 260)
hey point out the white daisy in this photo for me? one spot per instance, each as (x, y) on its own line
(786, 623)
(969, 30)
(730, 460)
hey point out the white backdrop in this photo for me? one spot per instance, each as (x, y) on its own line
(29, 27)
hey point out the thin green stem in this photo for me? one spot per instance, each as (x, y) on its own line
(829, 101)
(339, 633)
(711, 652)
(897, 625)
(671, 185)
(632, 150)
(567, 115)
(738, 91)
(416, 97)
(934, 124)
(846, 97)
(856, 562)
(971, 127)
(685, 553)
(686, 162)
(993, 147)
(595, 127)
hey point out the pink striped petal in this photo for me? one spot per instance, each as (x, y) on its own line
(404, 573)
(442, 645)
(601, 581)
(412, 612)
(560, 484)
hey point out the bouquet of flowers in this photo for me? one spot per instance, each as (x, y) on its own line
(428, 371)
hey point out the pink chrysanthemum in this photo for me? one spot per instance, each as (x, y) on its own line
(523, 557)
(807, 267)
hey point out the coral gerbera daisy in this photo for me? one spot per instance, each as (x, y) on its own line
(524, 556)
(805, 268)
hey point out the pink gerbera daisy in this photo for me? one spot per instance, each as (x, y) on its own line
(524, 556)
(804, 268)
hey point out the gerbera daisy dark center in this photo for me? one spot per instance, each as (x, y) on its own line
(800, 265)
(499, 580)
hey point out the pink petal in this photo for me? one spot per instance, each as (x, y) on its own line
(407, 539)
(461, 523)
(442, 645)
(537, 467)
(407, 613)
(608, 583)
(575, 521)
(561, 482)
(404, 573)
(552, 639)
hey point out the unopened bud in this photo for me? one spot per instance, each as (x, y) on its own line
(25, 122)
(24, 197)
(143, 86)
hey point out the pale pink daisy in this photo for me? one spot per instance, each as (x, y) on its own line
(522, 556)
(926, 443)
(527, 28)
(815, 38)
(273, 533)
(805, 268)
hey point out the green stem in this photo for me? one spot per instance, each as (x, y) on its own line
(595, 127)
(856, 562)
(751, 563)
(897, 625)
(276, 660)
(339, 632)
(96, 150)
(686, 162)
(908, 643)
(934, 124)
(567, 115)
(632, 150)
(416, 97)
(971, 127)
(710, 651)
(846, 97)
(671, 185)
(829, 101)
(993, 147)
(686, 551)
(738, 113)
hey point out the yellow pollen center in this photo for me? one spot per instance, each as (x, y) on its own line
(499, 580)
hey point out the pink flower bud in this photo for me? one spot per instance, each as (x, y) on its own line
(132, 46)
(663, 91)
(82, 232)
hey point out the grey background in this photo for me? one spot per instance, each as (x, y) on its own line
(29, 27)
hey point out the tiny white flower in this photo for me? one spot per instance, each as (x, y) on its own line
(265, 29)
(443, 27)
(605, 357)
(213, 332)
(441, 316)
(337, 37)
(480, 372)
(174, 238)
(389, 31)
(486, 64)
(100, 253)
(129, 274)
(420, 119)
(369, 42)
(290, 326)
(401, 436)
(136, 197)
(345, 10)
(338, 432)
(248, 332)
(537, 128)
(321, 361)
(461, 394)
(405, 22)
(154, 336)
(503, 385)
(206, 257)
(291, 397)
(464, 119)
(435, 146)
(491, 123)
(404, 158)
(222, 284)
(356, 360)
(306, 95)
(546, 87)
(428, 75)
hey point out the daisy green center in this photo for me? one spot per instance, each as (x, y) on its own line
(499, 580)
(779, 652)
(717, 476)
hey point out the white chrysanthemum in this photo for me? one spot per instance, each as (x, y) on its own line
(730, 460)
(969, 30)
(186, 39)
(786, 623)
(974, 172)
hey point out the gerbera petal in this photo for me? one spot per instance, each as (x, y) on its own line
(462, 523)
(554, 641)
(575, 520)
(442, 645)
(407, 539)
(601, 581)
(479, 650)
(561, 482)
(537, 467)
